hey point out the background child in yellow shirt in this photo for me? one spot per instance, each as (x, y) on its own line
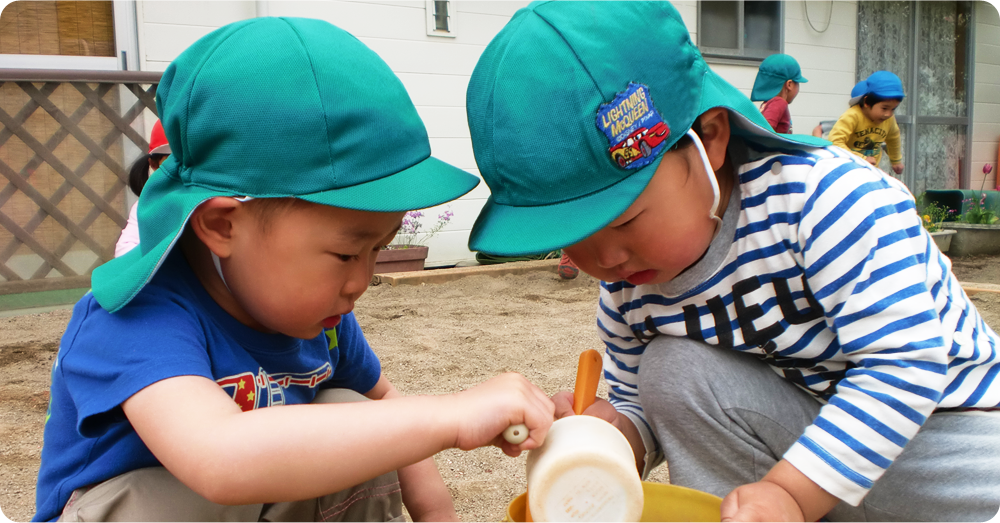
(871, 121)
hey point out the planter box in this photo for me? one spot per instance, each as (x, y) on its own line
(974, 239)
(401, 260)
(954, 199)
(943, 239)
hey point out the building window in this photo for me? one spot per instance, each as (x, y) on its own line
(58, 28)
(741, 29)
(440, 18)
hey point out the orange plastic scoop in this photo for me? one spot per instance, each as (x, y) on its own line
(588, 375)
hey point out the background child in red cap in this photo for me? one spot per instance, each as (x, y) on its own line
(159, 149)
(777, 85)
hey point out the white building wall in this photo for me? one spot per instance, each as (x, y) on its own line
(986, 100)
(435, 70)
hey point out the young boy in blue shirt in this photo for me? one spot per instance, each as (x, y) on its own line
(193, 383)
(779, 327)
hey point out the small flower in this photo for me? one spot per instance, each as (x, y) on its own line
(413, 232)
(988, 168)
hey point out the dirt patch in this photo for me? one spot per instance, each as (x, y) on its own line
(28, 346)
(978, 269)
(432, 339)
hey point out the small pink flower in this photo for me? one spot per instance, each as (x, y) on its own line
(988, 168)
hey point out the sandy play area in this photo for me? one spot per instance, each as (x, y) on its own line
(432, 339)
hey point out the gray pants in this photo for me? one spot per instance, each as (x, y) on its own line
(154, 494)
(724, 419)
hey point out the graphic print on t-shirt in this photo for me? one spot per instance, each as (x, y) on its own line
(251, 391)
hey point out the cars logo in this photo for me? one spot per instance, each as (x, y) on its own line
(639, 144)
(636, 133)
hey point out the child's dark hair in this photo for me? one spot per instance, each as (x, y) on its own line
(870, 99)
(139, 172)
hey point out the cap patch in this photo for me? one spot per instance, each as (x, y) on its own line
(634, 128)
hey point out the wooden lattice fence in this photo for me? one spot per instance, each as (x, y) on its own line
(67, 139)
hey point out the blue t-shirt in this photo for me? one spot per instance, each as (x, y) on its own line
(172, 328)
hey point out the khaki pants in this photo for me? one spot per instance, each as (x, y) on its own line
(154, 494)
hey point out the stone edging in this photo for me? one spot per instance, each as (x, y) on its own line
(444, 275)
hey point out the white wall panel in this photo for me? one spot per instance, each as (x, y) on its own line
(988, 93)
(456, 151)
(436, 89)
(360, 19)
(445, 122)
(203, 13)
(426, 57)
(986, 107)
(844, 13)
(165, 41)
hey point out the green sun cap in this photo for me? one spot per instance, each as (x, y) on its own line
(571, 107)
(279, 107)
(774, 71)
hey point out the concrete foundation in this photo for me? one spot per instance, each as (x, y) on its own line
(974, 239)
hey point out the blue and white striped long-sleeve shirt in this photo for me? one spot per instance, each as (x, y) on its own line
(832, 280)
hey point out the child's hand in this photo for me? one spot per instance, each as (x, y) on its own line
(600, 409)
(871, 160)
(761, 501)
(897, 168)
(486, 410)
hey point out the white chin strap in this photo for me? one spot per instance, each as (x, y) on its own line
(218, 269)
(215, 257)
(711, 179)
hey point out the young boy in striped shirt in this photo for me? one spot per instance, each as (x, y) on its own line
(779, 327)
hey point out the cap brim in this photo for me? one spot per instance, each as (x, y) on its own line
(516, 231)
(428, 183)
(508, 230)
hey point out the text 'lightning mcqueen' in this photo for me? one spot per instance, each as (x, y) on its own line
(639, 144)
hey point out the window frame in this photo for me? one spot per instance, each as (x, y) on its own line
(431, 8)
(126, 49)
(739, 55)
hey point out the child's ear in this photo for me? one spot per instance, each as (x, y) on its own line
(213, 222)
(715, 135)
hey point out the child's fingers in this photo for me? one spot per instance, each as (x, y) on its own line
(604, 410)
(537, 417)
(563, 402)
(730, 506)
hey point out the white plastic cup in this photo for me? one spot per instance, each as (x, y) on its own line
(585, 471)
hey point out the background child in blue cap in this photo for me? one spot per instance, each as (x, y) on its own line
(777, 85)
(871, 120)
(779, 327)
(194, 383)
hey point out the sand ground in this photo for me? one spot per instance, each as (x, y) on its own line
(432, 339)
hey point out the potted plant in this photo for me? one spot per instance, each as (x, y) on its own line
(933, 217)
(408, 249)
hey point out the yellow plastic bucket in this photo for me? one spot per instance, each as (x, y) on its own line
(660, 503)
